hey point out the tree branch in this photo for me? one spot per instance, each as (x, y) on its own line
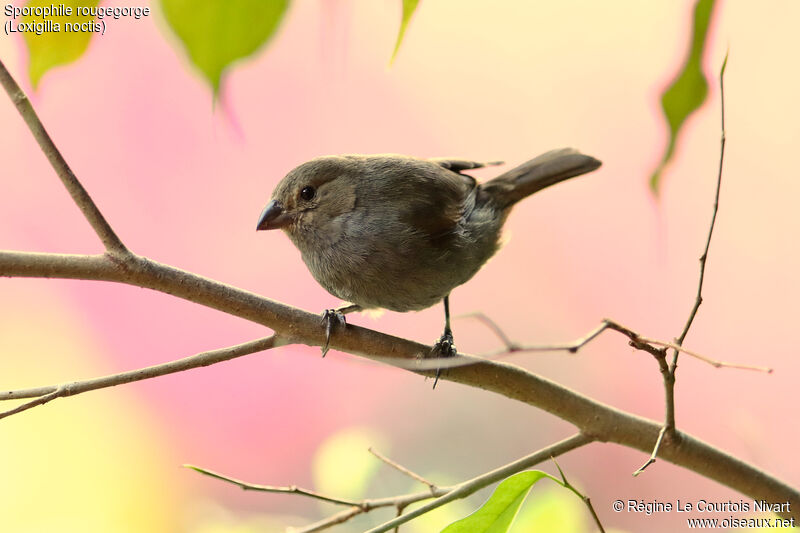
(355, 507)
(79, 195)
(586, 500)
(703, 258)
(402, 469)
(462, 490)
(273, 489)
(668, 370)
(44, 395)
(595, 420)
(637, 340)
(442, 495)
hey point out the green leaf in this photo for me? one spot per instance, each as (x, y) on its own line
(689, 89)
(51, 49)
(218, 32)
(553, 509)
(409, 6)
(499, 511)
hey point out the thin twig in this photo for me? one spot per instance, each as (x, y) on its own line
(654, 453)
(44, 395)
(703, 258)
(586, 500)
(428, 363)
(79, 195)
(510, 345)
(399, 513)
(668, 371)
(355, 508)
(41, 400)
(338, 518)
(468, 487)
(713, 362)
(443, 495)
(637, 341)
(293, 489)
(402, 469)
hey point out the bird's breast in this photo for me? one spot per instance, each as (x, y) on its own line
(386, 264)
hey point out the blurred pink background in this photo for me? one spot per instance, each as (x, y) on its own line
(183, 183)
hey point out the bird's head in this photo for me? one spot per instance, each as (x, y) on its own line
(311, 197)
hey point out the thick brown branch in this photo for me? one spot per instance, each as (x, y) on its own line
(79, 195)
(593, 418)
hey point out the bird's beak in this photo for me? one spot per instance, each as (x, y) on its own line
(273, 216)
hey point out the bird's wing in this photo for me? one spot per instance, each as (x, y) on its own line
(427, 198)
(443, 199)
(457, 165)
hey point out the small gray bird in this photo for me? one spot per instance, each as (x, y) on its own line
(399, 233)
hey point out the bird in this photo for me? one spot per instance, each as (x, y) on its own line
(398, 232)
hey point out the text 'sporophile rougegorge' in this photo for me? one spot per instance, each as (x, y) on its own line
(59, 18)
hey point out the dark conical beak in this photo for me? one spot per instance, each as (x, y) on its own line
(273, 217)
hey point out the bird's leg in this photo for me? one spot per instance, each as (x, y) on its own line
(333, 318)
(444, 347)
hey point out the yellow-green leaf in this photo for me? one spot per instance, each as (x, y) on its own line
(499, 511)
(552, 509)
(409, 6)
(218, 32)
(688, 90)
(53, 48)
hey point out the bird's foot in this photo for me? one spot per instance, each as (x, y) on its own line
(331, 319)
(444, 347)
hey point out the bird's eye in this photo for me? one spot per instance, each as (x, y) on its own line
(308, 193)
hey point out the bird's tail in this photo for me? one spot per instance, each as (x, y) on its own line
(538, 173)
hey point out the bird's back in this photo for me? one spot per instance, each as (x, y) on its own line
(419, 228)
(414, 234)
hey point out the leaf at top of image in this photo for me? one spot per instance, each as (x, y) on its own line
(218, 32)
(688, 90)
(499, 511)
(409, 6)
(54, 48)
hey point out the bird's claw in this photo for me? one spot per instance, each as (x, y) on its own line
(331, 318)
(444, 347)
